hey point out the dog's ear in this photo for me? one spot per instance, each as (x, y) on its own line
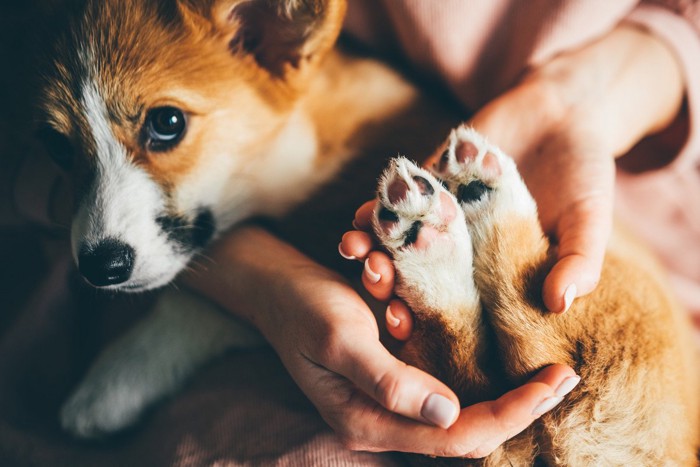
(284, 36)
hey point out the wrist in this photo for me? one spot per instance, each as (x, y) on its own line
(239, 275)
(624, 86)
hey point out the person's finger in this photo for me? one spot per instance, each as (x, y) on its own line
(480, 429)
(487, 425)
(400, 388)
(583, 234)
(363, 216)
(355, 244)
(378, 275)
(399, 320)
(553, 375)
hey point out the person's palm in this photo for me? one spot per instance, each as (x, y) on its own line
(569, 168)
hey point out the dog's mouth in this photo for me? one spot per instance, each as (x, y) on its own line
(189, 235)
(134, 261)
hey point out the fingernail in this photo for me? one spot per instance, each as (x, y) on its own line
(371, 275)
(392, 320)
(342, 253)
(355, 226)
(569, 296)
(546, 405)
(439, 410)
(567, 385)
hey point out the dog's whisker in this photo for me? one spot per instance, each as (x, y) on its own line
(201, 256)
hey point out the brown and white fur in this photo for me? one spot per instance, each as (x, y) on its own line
(481, 325)
(272, 114)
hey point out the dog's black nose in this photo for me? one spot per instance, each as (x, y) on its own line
(109, 262)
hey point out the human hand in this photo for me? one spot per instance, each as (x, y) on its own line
(374, 402)
(328, 340)
(564, 125)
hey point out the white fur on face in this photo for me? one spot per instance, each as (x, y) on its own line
(122, 203)
(291, 158)
(282, 172)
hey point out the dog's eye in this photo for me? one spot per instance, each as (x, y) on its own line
(165, 127)
(58, 147)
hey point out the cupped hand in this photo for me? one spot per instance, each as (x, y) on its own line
(374, 402)
(564, 124)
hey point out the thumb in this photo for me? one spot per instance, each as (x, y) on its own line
(583, 233)
(400, 388)
(489, 424)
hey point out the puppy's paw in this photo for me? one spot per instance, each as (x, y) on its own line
(510, 249)
(415, 210)
(101, 407)
(484, 180)
(420, 224)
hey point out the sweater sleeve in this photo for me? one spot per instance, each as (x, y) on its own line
(677, 22)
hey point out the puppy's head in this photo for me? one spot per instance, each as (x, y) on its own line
(178, 118)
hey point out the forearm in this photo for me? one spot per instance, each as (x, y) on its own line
(254, 275)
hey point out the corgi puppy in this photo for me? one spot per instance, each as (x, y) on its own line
(178, 119)
(182, 118)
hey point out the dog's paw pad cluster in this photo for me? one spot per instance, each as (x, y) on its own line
(414, 208)
(468, 157)
(481, 176)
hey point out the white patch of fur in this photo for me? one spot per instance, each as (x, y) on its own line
(439, 278)
(123, 203)
(153, 359)
(279, 175)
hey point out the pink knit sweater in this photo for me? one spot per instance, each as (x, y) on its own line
(480, 48)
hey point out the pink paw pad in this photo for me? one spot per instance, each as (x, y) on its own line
(492, 169)
(427, 234)
(466, 151)
(397, 191)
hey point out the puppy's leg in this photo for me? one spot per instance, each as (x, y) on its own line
(510, 250)
(150, 361)
(634, 406)
(422, 227)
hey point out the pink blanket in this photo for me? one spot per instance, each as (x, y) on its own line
(242, 409)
